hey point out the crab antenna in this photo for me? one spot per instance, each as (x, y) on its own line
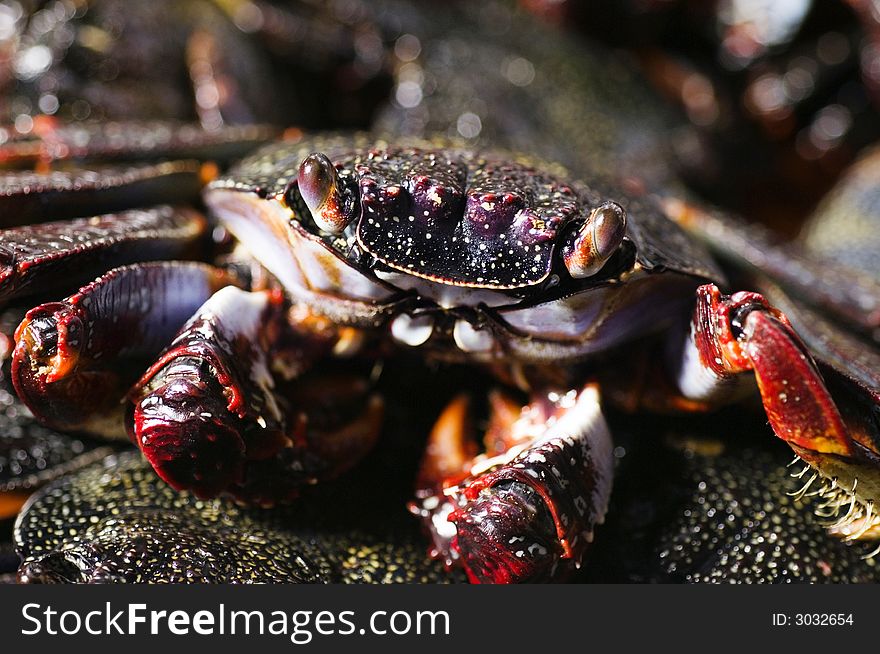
(596, 240)
(319, 187)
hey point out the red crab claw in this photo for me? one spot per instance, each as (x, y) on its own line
(825, 416)
(524, 510)
(75, 359)
(214, 413)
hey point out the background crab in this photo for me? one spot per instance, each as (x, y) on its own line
(443, 250)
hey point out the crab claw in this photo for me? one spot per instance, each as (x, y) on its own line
(320, 189)
(215, 415)
(524, 510)
(75, 359)
(595, 241)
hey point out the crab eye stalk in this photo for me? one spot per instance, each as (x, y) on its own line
(320, 189)
(597, 239)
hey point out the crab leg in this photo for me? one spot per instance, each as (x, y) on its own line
(32, 256)
(741, 333)
(75, 359)
(29, 197)
(826, 415)
(213, 414)
(852, 296)
(53, 140)
(526, 509)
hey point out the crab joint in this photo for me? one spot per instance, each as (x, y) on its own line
(743, 332)
(319, 187)
(596, 240)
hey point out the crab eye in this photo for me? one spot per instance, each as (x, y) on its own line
(319, 187)
(596, 240)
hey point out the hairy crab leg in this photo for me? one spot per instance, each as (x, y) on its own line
(524, 510)
(27, 197)
(212, 414)
(75, 359)
(852, 375)
(826, 415)
(32, 256)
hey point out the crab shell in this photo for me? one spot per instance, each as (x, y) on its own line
(459, 248)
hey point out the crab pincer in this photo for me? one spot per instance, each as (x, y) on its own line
(216, 413)
(74, 360)
(526, 508)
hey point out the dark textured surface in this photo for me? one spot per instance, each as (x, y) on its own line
(123, 524)
(30, 454)
(706, 502)
(354, 529)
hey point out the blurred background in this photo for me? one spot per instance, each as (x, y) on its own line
(774, 98)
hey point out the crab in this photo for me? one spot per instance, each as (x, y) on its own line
(564, 277)
(468, 255)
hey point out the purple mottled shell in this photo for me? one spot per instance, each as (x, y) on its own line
(462, 218)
